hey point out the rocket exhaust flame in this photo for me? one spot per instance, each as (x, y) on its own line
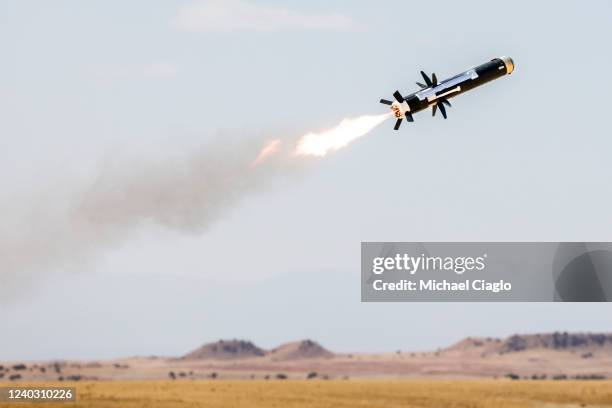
(322, 143)
(319, 144)
(268, 150)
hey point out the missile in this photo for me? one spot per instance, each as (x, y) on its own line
(437, 94)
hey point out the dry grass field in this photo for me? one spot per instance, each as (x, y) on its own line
(338, 394)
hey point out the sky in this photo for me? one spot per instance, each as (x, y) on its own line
(524, 158)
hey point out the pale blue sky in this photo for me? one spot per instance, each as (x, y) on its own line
(523, 158)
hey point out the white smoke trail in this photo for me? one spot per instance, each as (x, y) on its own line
(187, 194)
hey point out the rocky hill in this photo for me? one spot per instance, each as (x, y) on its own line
(525, 342)
(240, 349)
(225, 350)
(557, 341)
(298, 350)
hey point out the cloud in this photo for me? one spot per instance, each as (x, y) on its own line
(237, 15)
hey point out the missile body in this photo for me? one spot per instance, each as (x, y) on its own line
(436, 94)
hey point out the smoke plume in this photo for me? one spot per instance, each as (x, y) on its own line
(60, 229)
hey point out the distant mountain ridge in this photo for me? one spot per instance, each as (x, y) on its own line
(236, 349)
(240, 349)
(525, 342)
(556, 356)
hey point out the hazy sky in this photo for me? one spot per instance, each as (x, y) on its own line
(86, 83)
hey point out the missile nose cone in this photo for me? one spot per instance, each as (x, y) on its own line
(509, 63)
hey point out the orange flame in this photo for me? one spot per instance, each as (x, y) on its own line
(268, 149)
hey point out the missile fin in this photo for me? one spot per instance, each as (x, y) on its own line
(442, 109)
(398, 96)
(397, 124)
(426, 78)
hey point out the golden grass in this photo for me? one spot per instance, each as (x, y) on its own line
(337, 394)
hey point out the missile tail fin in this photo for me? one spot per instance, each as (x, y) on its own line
(398, 96)
(442, 109)
(426, 78)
